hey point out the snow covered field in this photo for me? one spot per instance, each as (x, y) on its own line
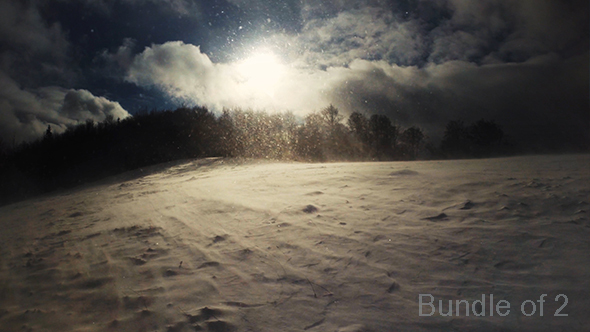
(217, 245)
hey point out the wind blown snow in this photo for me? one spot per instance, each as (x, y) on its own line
(217, 245)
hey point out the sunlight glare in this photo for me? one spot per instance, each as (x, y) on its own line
(261, 72)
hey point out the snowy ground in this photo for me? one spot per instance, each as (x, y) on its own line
(216, 245)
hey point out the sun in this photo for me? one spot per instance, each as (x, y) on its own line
(261, 72)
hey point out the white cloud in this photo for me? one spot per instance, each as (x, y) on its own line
(27, 113)
(185, 73)
(123, 57)
(81, 105)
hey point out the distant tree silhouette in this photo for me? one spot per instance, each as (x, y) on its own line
(48, 134)
(360, 141)
(486, 136)
(359, 126)
(331, 115)
(337, 143)
(3, 152)
(283, 127)
(311, 137)
(456, 141)
(257, 134)
(481, 139)
(413, 140)
(109, 120)
(228, 140)
(383, 136)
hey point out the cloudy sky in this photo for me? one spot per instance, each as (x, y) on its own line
(524, 64)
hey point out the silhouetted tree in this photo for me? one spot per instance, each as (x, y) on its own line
(331, 116)
(228, 144)
(359, 126)
(383, 136)
(283, 132)
(486, 136)
(337, 144)
(311, 137)
(456, 141)
(48, 133)
(413, 139)
(3, 153)
(480, 139)
(360, 140)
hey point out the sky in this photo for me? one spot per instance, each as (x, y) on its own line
(524, 64)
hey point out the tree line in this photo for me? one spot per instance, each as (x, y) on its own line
(90, 151)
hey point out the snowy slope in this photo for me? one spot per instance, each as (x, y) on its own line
(219, 245)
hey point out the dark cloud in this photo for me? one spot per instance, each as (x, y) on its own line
(35, 64)
(438, 31)
(367, 33)
(26, 113)
(30, 48)
(182, 7)
(514, 31)
(22, 28)
(526, 98)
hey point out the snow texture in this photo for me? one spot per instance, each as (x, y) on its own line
(220, 245)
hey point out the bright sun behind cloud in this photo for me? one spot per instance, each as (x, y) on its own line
(261, 72)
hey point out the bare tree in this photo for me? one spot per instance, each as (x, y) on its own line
(331, 116)
(413, 138)
(383, 135)
(48, 133)
(359, 126)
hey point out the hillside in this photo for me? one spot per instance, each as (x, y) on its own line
(220, 245)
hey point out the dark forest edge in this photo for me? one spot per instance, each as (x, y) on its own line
(91, 151)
